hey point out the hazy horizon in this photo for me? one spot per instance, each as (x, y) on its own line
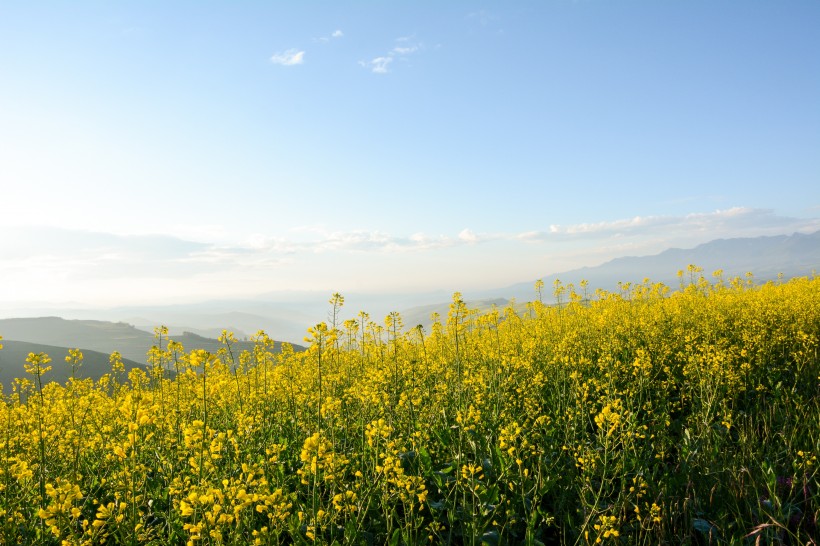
(171, 153)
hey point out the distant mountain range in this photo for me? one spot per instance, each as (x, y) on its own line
(13, 356)
(281, 321)
(794, 255)
(101, 336)
(287, 315)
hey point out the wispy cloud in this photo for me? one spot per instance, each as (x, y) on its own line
(335, 35)
(49, 262)
(378, 65)
(289, 57)
(398, 50)
(732, 222)
(381, 64)
(316, 239)
(62, 244)
(468, 236)
(55, 245)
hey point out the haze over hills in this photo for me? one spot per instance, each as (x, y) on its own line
(242, 317)
(104, 337)
(93, 335)
(95, 364)
(283, 316)
(287, 315)
(792, 255)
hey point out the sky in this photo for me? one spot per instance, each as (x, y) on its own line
(178, 151)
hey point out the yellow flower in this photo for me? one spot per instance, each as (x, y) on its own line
(36, 364)
(185, 509)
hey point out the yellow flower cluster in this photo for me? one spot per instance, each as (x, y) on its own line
(62, 508)
(612, 416)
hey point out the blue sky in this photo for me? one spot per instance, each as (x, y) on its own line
(184, 150)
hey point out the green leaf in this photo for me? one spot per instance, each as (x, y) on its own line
(395, 539)
(490, 538)
(424, 456)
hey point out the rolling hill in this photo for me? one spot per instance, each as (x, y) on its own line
(95, 364)
(102, 336)
(287, 315)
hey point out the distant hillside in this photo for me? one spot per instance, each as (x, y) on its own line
(287, 315)
(92, 335)
(285, 321)
(191, 340)
(414, 316)
(793, 255)
(13, 357)
(104, 337)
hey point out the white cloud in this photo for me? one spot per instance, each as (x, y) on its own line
(102, 254)
(468, 236)
(732, 222)
(150, 253)
(336, 34)
(321, 241)
(405, 50)
(54, 264)
(289, 57)
(378, 65)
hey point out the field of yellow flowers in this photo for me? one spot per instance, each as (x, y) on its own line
(643, 416)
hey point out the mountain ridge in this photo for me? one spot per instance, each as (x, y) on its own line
(766, 256)
(104, 337)
(793, 255)
(95, 364)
